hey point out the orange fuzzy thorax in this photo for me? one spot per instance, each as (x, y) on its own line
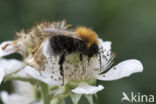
(87, 34)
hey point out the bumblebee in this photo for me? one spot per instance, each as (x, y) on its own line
(83, 41)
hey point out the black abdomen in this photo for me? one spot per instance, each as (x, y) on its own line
(61, 43)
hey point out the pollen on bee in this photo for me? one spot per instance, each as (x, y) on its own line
(87, 34)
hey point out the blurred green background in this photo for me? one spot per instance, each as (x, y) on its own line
(129, 24)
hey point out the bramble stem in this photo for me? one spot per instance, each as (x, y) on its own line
(45, 93)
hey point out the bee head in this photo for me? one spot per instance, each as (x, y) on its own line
(87, 34)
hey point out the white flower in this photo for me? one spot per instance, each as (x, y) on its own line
(24, 93)
(83, 71)
(9, 66)
(92, 70)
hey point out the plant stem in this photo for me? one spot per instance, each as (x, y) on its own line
(45, 93)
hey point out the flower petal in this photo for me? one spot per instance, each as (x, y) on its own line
(35, 74)
(21, 74)
(13, 99)
(2, 73)
(23, 94)
(6, 48)
(10, 65)
(84, 88)
(24, 88)
(106, 54)
(46, 49)
(106, 45)
(123, 69)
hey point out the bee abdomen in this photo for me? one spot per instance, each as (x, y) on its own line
(62, 43)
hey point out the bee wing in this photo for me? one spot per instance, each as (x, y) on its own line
(54, 31)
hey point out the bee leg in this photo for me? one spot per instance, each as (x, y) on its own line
(61, 61)
(81, 57)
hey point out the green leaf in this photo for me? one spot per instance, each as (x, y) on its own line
(75, 97)
(89, 98)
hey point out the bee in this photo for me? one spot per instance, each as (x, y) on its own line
(83, 41)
